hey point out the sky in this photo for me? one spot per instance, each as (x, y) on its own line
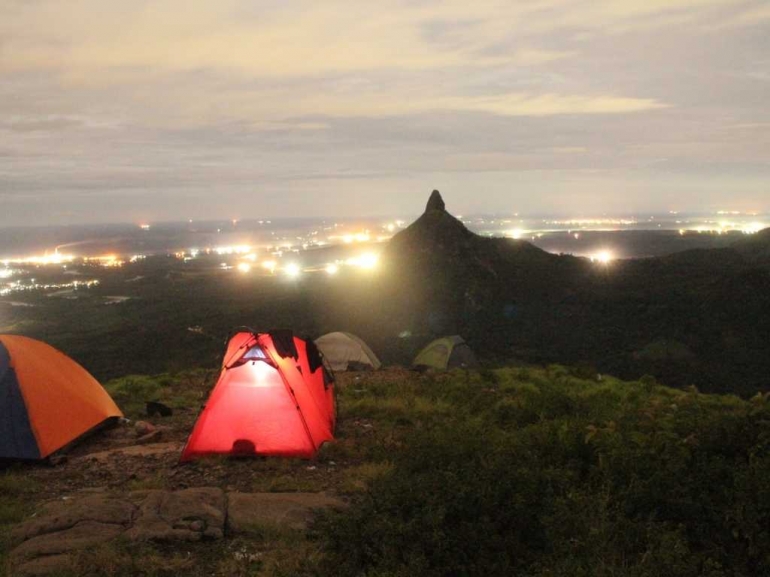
(116, 111)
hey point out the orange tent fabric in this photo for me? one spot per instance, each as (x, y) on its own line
(46, 394)
(273, 397)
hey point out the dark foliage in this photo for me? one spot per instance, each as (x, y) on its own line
(563, 477)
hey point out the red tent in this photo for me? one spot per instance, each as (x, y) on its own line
(274, 397)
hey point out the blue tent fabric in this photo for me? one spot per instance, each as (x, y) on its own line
(16, 438)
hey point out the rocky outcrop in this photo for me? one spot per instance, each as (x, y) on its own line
(187, 515)
(50, 541)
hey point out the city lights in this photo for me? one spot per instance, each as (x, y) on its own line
(244, 267)
(603, 257)
(366, 261)
(292, 270)
(269, 265)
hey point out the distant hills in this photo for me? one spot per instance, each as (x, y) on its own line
(696, 317)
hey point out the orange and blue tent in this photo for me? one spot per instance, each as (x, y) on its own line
(47, 400)
(274, 397)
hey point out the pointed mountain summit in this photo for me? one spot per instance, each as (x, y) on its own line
(438, 245)
(435, 230)
(435, 202)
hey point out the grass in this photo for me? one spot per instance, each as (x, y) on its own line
(186, 390)
(16, 501)
(535, 471)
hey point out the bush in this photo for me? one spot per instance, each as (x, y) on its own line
(566, 477)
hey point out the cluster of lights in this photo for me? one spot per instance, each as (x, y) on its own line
(365, 261)
(46, 259)
(354, 237)
(393, 226)
(237, 249)
(33, 286)
(724, 227)
(59, 259)
(109, 261)
(582, 222)
(603, 257)
(518, 234)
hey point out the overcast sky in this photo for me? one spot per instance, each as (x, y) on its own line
(117, 110)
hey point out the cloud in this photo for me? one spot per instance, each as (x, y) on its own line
(106, 106)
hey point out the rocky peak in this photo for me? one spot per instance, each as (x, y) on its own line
(435, 202)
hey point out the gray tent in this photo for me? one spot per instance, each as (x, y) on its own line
(345, 351)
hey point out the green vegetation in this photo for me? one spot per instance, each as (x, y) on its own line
(536, 472)
(16, 496)
(184, 390)
(522, 471)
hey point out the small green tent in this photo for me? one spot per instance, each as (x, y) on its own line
(345, 351)
(445, 353)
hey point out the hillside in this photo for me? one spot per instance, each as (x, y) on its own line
(512, 300)
(756, 248)
(521, 470)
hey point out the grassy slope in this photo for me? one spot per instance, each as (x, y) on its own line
(521, 471)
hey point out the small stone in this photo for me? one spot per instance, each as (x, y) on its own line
(197, 525)
(143, 428)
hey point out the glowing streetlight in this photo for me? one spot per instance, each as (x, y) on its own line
(244, 267)
(269, 265)
(603, 257)
(368, 260)
(292, 270)
(332, 269)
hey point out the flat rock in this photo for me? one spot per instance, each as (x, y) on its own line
(59, 516)
(83, 535)
(48, 542)
(187, 515)
(248, 511)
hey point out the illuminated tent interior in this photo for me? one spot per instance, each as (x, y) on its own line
(445, 353)
(273, 398)
(345, 351)
(47, 400)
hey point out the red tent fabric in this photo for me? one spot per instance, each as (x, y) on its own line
(273, 398)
